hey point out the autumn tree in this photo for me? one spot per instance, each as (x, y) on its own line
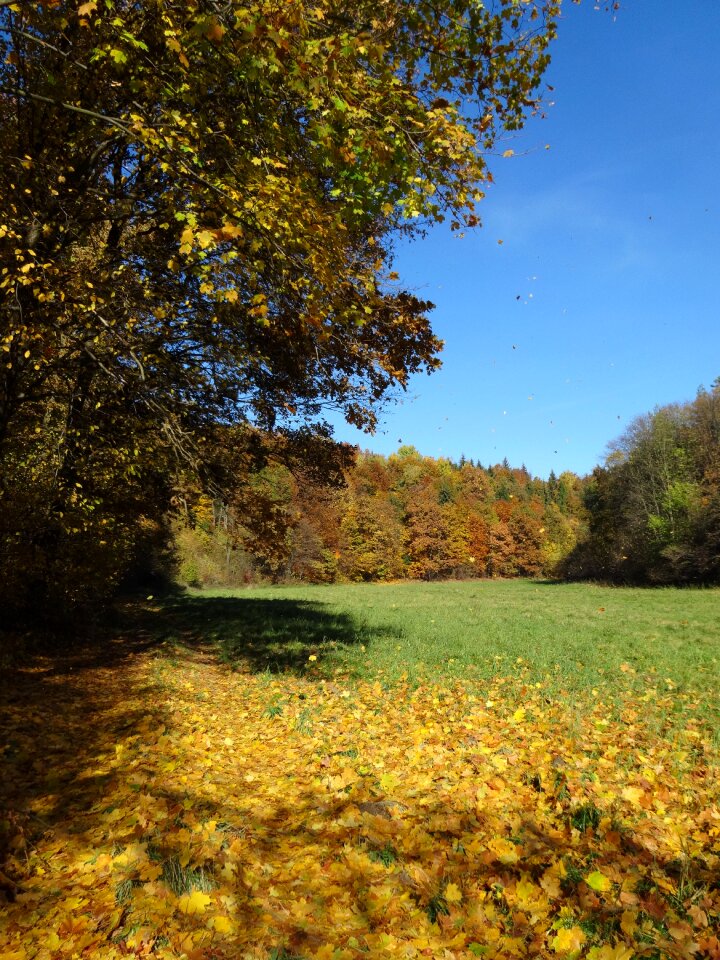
(373, 539)
(197, 201)
(654, 508)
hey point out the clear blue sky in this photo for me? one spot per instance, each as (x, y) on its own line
(602, 300)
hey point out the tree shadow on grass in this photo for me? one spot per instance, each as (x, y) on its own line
(278, 635)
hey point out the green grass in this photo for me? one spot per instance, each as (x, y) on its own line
(571, 636)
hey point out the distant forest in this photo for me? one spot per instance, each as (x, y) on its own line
(650, 514)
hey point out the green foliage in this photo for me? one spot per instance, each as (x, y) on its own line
(437, 907)
(386, 856)
(185, 879)
(654, 509)
(586, 817)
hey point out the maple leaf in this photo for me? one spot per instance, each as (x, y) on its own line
(388, 782)
(633, 794)
(568, 940)
(526, 891)
(505, 850)
(628, 923)
(195, 902)
(598, 881)
(607, 952)
(453, 893)
(221, 924)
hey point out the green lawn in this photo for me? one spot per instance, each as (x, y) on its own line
(572, 637)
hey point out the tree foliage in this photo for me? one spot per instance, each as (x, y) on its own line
(400, 517)
(655, 506)
(197, 205)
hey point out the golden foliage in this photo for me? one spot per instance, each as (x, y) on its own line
(174, 808)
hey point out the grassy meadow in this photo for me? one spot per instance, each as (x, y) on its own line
(570, 637)
(490, 769)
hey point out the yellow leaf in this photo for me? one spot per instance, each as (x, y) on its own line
(598, 881)
(85, 9)
(453, 893)
(519, 715)
(388, 782)
(628, 922)
(221, 924)
(526, 890)
(231, 230)
(504, 850)
(186, 240)
(195, 902)
(568, 940)
(205, 238)
(633, 794)
(606, 952)
(150, 871)
(509, 153)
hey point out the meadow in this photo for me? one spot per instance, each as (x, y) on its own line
(570, 637)
(453, 770)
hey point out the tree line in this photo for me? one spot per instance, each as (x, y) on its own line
(650, 514)
(397, 517)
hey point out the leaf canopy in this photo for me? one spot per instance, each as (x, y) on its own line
(198, 204)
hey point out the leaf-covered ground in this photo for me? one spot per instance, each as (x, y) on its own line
(166, 806)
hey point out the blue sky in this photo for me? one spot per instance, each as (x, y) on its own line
(601, 302)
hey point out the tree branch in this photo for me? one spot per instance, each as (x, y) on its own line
(26, 95)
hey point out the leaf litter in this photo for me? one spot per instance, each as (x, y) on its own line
(174, 808)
